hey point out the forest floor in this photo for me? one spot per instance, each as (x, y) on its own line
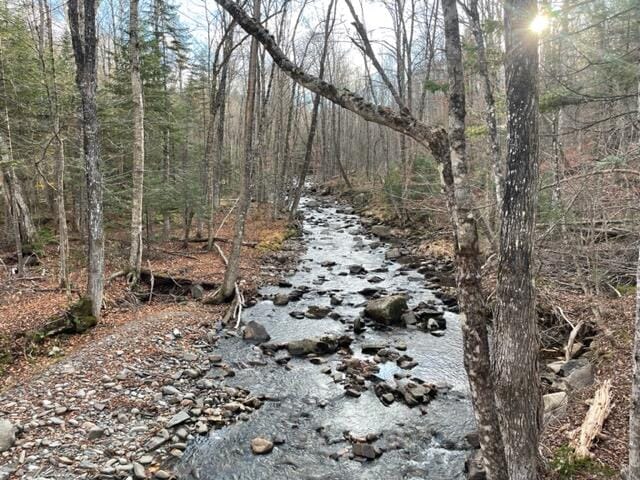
(113, 388)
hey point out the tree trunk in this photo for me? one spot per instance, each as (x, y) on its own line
(135, 253)
(227, 290)
(83, 37)
(515, 336)
(634, 417)
(474, 328)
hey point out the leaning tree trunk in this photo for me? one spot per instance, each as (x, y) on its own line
(634, 419)
(515, 336)
(84, 51)
(135, 253)
(474, 328)
(227, 290)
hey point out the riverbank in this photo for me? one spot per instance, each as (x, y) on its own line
(108, 403)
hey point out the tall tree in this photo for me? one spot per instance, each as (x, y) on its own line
(227, 289)
(135, 253)
(82, 23)
(634, 418)
(515, 336)
(474, 328)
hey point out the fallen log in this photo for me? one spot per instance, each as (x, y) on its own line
(164, 281)
(593, 420)
(217, 239)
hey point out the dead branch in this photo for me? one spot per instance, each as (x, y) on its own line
(594, 420)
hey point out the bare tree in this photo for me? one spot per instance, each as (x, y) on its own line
(634, 420)
(82, 24)
(228, 288)
(515, 336)
(135, 253)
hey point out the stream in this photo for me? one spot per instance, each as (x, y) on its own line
(305, 410)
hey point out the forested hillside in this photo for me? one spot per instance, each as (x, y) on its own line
(234, 217)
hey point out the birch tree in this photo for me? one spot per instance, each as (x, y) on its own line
(137, 173)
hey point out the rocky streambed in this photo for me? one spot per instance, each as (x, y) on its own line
(357, 359)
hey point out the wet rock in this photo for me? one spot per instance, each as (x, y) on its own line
(370, 292)
(336, 300)
(296, 294)
(261, 446)
(474, 466)
(284, 284)
(7, 435)
(371, 348)
(296, 314)
(366, 450)
(375, 279)
(387, 310)
(281, 299)
(322, 345)
(393, 254)
(282, 357)
(255, 333)
(328, 264)
(356, 269)
(358, 325)
(317, 312)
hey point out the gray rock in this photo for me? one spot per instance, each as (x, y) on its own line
(95, 433)
(358, 325)
(474, 466)
(255, 333)
(580, 377)
(197, 292)
(170, 390)
(387, 310)
(356, 269)
(138, 470)
(178, 418)
(555, 405)
(366, 450)
(261, 446)
(7, 435)
(393, 254)
(317, 312)
(281, 299)
(381, 231)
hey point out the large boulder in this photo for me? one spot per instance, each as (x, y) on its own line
(387, 310)
(255, 333)
(323, 345)
(7, 435)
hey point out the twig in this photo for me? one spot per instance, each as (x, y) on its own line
(226, 217)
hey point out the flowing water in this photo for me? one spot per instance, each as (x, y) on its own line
(310, 412)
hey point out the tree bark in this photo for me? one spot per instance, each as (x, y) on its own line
(135, 253)
(227, 290)
(474, 328)
(634, 417)
(515, 336)
(84, 39)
